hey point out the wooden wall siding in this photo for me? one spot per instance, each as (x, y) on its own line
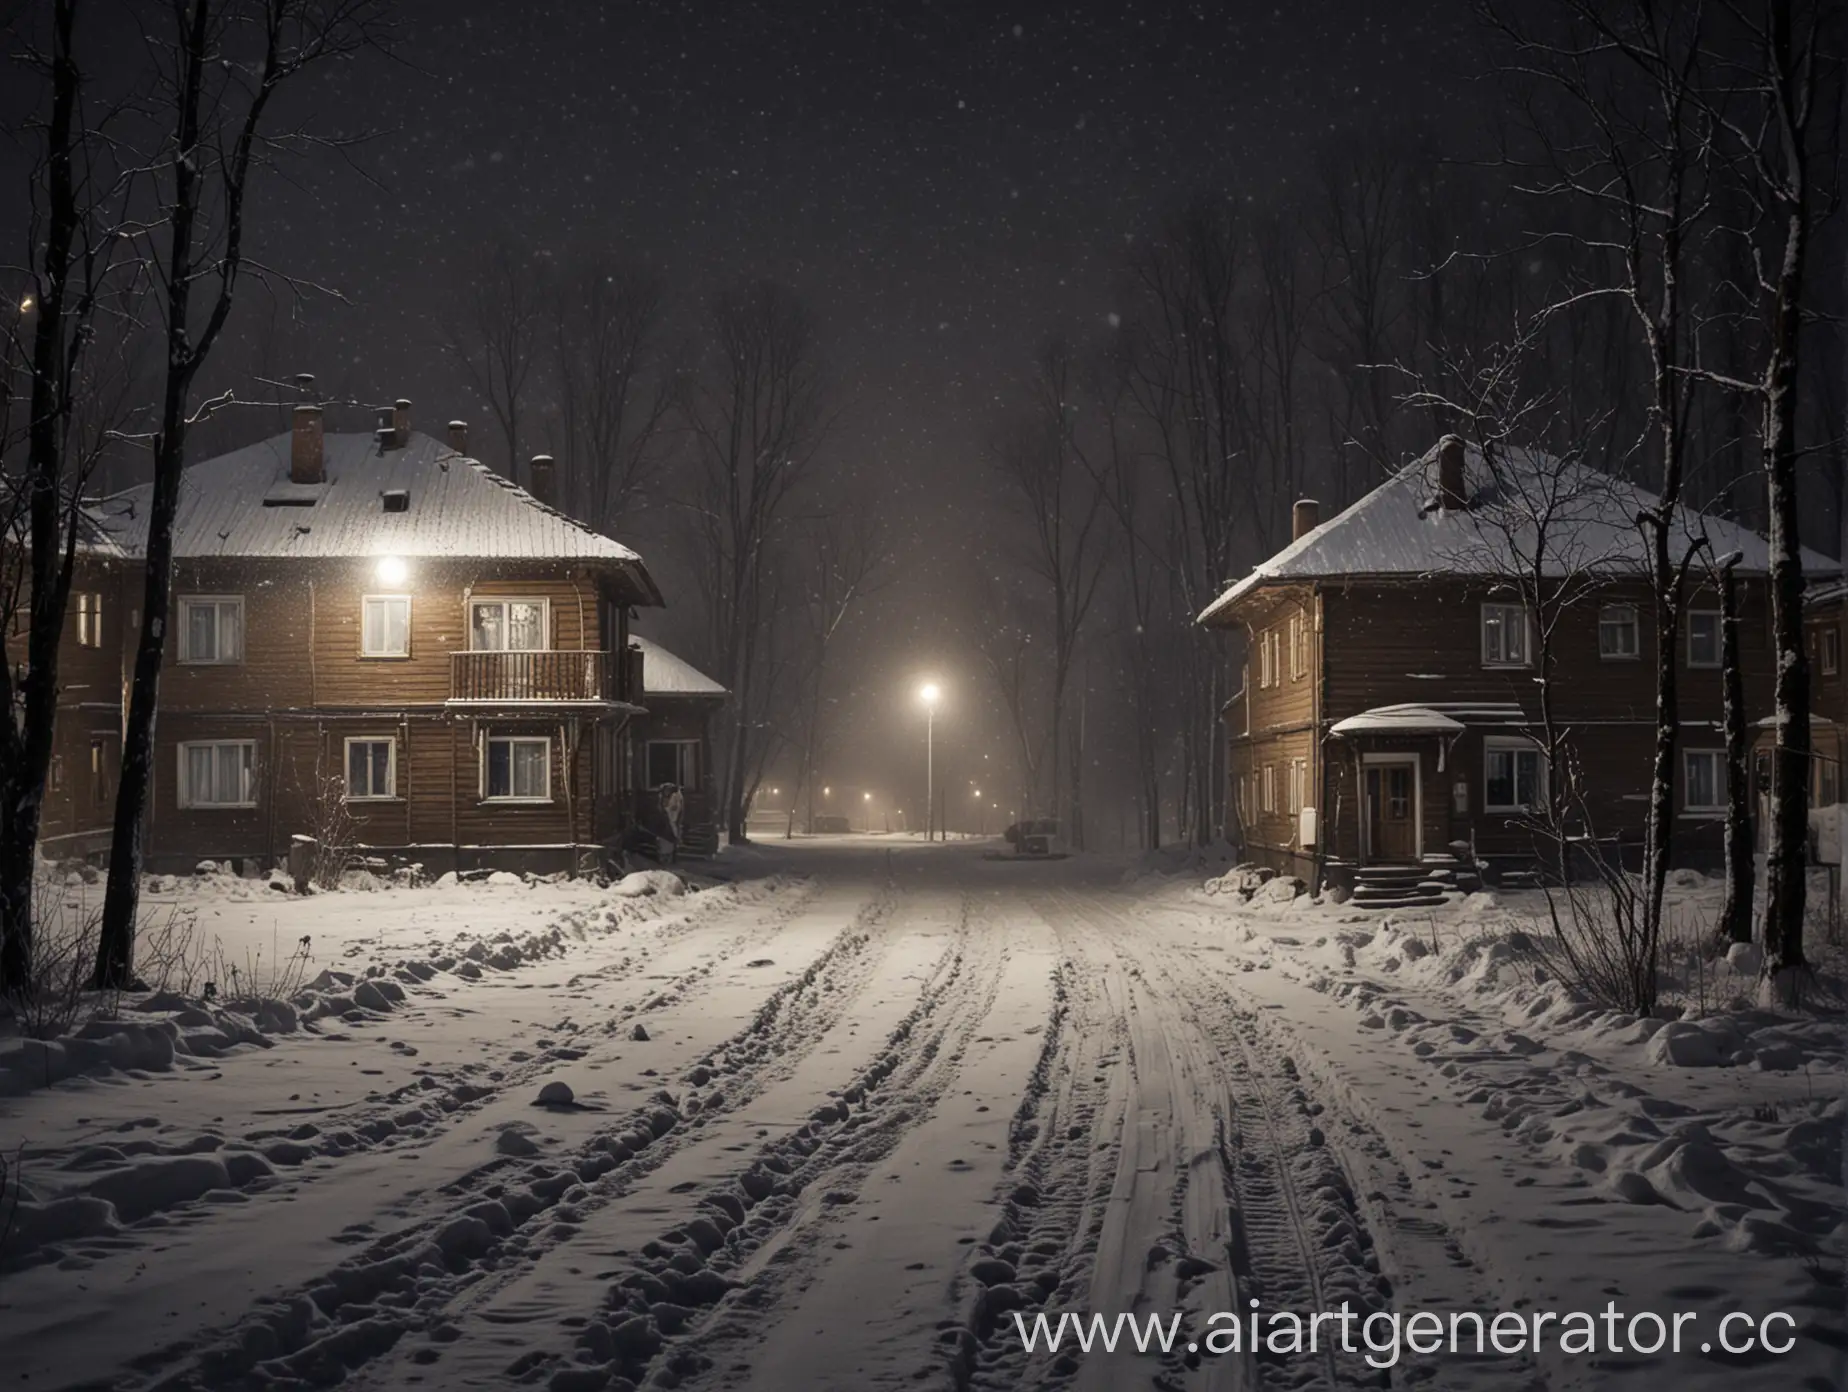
(302, 633)
(438, 800)
(1389, 644)
(1290, 702)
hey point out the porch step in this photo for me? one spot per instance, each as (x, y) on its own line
(701, 842)
(1429, 884)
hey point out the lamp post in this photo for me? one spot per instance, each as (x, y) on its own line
(868, 799)
(929, 694)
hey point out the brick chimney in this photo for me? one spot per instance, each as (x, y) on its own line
(544, 478)
(306, 461)
(458, 436)
(401, 421)
(1305, 517)
(1450, 489)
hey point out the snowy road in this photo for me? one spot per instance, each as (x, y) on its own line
(834, 1129)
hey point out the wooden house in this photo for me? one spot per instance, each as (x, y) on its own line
(1391, 704)
(671, 742)
(375, 627)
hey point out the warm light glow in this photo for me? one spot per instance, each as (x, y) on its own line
(867, 796)
(827, 792)
(392, 571)
(25, 305)
(929, 692)
(978, 794)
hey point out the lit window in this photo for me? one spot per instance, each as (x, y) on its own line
(1706, 780)
(385, 626)
(372, 769)
(1504, 635)
(222, 773)
(212, 629)
(1513, 777)
(1617, 633)
(89, 620)
(518, 769)
(1704, 638)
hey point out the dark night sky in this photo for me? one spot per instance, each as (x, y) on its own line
(944, 182)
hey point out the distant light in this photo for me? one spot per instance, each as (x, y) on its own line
(826, 792)
(978, 794)
(867, 796)
(25, 305)
(393, 571)
(929, 693)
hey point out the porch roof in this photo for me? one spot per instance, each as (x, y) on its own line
(1397, 720)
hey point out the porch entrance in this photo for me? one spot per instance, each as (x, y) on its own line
(1392, 812)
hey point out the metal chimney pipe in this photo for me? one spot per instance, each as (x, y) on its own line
(544, 480)
(458, 436)
(1305, 517)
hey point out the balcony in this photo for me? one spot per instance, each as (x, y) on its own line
(533, 678)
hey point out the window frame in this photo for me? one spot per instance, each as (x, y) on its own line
(89, 618)
(1828, 649)
(1718, 639)
(1717, 757)
(217, 602)
(185, 793)
(544, 604)
(690, 759)
(1267, 793)
(1635, 653)
(385, 655)
(391, 768)
(510, 797)
(1514, 746)
(1527, 634)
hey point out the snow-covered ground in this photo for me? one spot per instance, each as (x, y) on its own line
(836, 1122)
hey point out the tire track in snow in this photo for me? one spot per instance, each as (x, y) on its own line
(711, 1193)
(450, 1231)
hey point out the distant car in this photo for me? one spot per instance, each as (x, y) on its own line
(1039, 837)
(830, 826)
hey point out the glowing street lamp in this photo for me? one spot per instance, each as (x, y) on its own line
(868, 819)
(930, 693)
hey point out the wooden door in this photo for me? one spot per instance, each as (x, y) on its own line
(1392, 812)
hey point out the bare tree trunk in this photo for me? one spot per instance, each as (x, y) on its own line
(1736, 908)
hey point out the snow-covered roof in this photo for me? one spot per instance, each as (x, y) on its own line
(1826, 592)
(665, 674)
(1397, 720)
(243, 504)
(1399, 530)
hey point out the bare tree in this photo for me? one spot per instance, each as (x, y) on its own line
(68, 335)
(218, 70)
(496, 337)
(1769, 98)
(848, 566)
(615, 395)
(1619, 133)
(756, 415)
(1064, 537)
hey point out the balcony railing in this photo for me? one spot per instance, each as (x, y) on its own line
(515, 677)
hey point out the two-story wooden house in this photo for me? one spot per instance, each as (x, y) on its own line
(380, 619)
(1391, 705)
